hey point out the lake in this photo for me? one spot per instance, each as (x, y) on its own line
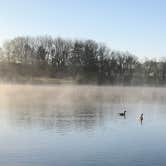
(79, 125)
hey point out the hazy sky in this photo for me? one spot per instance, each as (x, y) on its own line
(138, 26)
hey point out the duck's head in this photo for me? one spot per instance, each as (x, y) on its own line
(125, 111)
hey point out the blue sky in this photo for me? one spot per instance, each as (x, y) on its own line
(137, 26)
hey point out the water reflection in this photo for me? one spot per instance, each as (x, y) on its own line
(80, 125)
(81, 116)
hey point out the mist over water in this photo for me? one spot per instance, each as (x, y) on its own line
(79, 125)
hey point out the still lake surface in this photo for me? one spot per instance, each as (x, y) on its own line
(79, 125)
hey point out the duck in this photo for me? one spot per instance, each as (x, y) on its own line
(123, 113)
(141, 117)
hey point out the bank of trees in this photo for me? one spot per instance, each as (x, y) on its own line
(84, 61)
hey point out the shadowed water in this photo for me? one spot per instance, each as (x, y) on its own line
(79, 125)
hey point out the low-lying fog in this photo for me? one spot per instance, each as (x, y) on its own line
(36, 103)
(68, 94)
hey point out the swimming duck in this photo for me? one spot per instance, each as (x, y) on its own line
(123, 113)
(141, 117)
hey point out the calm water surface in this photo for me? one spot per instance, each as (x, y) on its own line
(79, 125)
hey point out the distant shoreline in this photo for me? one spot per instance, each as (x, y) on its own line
(62, 81)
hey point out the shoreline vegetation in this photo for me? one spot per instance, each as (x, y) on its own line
(47, 60)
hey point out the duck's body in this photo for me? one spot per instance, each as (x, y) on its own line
(123, 113)
(141, 117)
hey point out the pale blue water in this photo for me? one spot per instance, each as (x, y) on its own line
(78, 126)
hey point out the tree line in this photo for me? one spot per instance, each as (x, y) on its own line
(85, 61)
